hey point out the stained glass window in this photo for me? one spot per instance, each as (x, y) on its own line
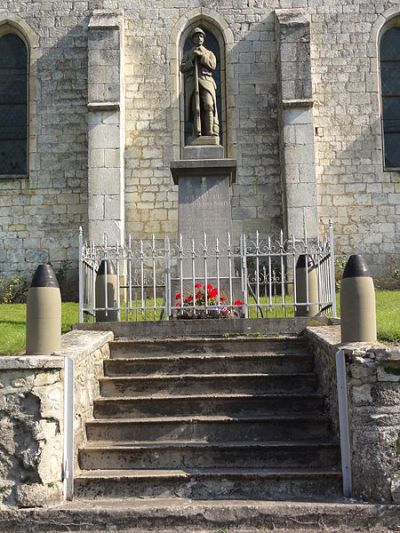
(13, 105)
(390, 81)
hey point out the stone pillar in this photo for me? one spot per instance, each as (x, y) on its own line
(299, 188)
(106, 141)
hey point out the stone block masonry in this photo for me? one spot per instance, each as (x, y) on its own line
(31, 457)
(40, 214)
(106, 143)
(346, 181)
(296, 122)
(354, 188)
(153, 116)
(32, 416)
(373, 389)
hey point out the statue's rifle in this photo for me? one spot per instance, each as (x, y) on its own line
(196, 116)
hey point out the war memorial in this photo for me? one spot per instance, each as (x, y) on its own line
(194, 170)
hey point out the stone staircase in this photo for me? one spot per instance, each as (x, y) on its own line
(209, 419)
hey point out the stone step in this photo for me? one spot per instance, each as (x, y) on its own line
(215, 483)
(179, 515)
(197, 454)
(209, 364)
(206, 383)
(209, 404)
(210, 428)
(236, 345)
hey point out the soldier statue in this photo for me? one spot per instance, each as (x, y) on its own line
(200, 88)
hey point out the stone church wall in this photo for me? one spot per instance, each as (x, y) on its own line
(151, 123)
(354, 190)
(39, 217)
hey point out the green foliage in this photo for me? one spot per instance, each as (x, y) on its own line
(340, 263)
(62, 273)
(14, 290)
(396, 278)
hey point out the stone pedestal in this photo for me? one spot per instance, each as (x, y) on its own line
(204, 203)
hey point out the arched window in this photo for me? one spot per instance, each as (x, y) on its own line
(13, 105)
(390, 84)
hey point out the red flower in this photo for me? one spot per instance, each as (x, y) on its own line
(212, 293)
(209, 286)
(238, 302)
(178, 296)
(199, 295)
(198, 286)
(189, 299)
(223, 298)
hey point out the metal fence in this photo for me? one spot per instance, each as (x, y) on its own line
(160, 279)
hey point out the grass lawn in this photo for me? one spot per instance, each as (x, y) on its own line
(12, 321)
(12, 325)
(388, 315)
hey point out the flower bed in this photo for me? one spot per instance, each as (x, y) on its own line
(206, 301)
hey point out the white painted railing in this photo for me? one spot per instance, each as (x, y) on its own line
(159, 280)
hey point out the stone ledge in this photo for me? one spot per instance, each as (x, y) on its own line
(31, 362)
(103, 106)
(306, 102)
(205, 328)
(292, 17)
(183, 168)
(78, 343)
(103, 19)
(329, 336)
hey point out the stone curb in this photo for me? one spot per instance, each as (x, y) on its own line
(189, 516)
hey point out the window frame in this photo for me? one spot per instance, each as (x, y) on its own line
(392, 23)
(6, 29)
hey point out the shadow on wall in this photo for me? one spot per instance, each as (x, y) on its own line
(46, 210)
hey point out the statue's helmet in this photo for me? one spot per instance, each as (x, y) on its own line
(197, 30)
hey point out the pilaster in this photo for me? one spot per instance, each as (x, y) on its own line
(106, 140)
(297, 150)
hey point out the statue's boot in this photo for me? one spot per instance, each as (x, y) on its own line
(209, 121)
